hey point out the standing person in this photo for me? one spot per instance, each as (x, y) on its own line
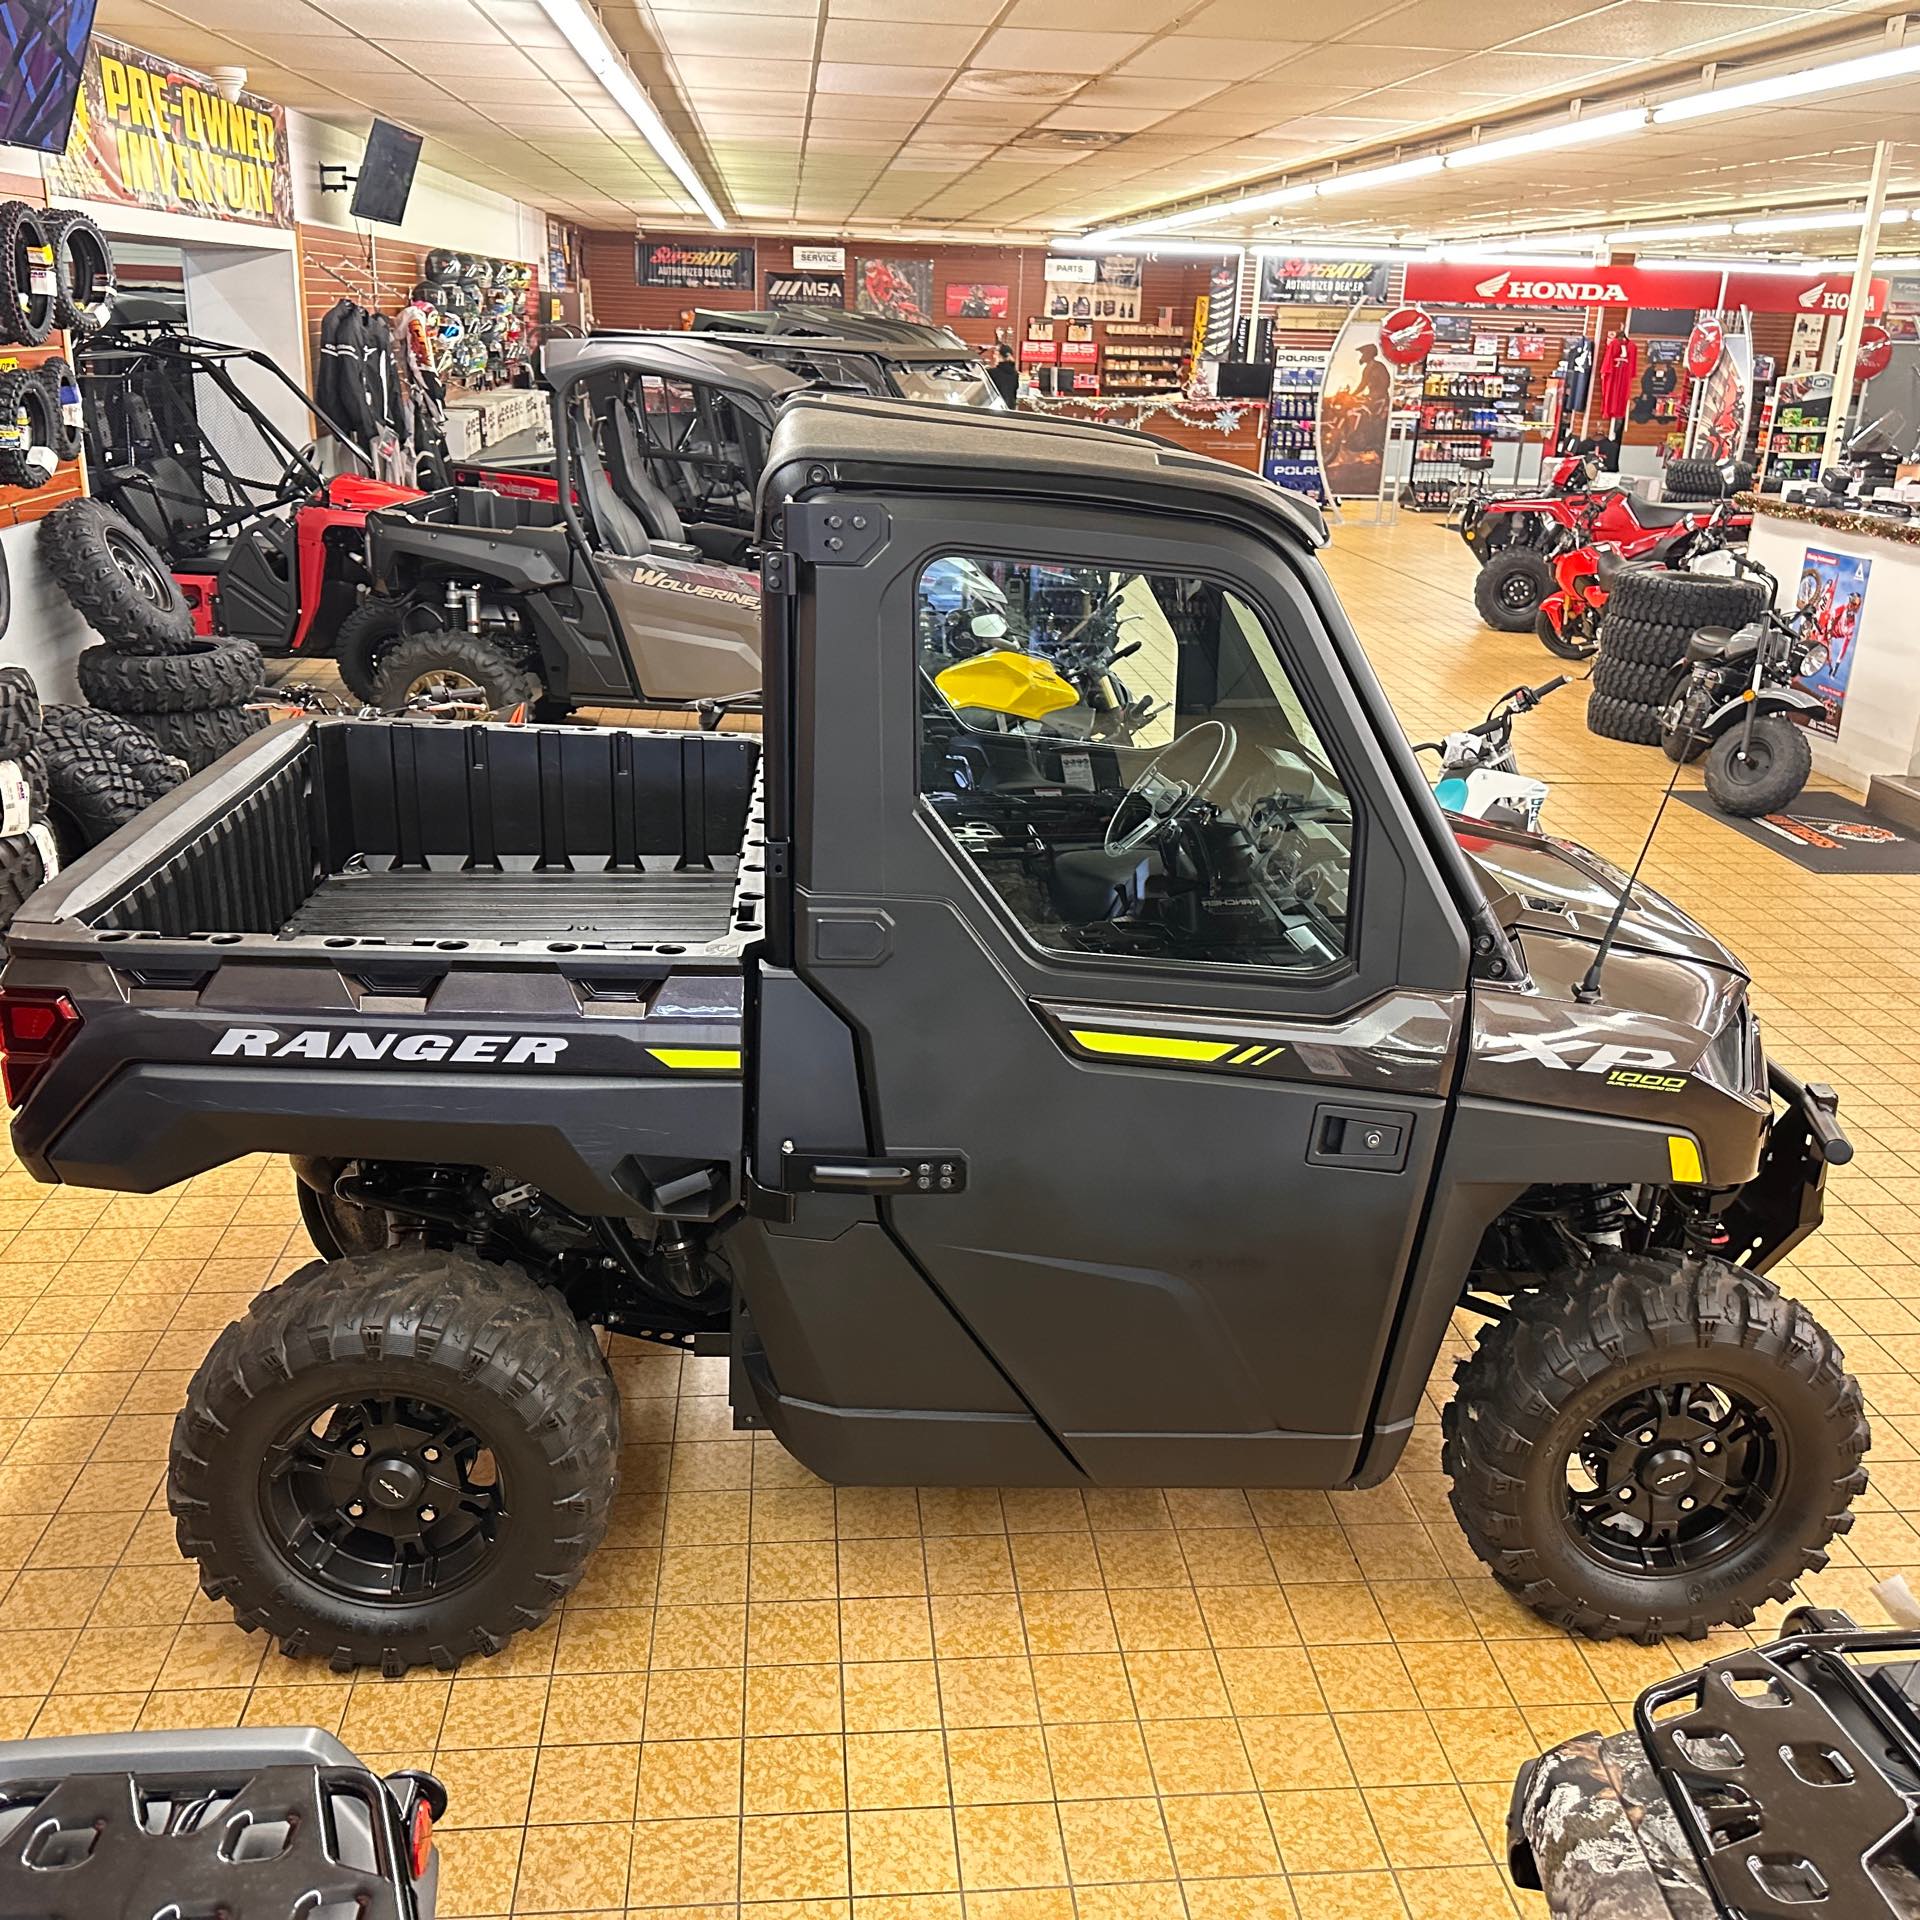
(1005, 375)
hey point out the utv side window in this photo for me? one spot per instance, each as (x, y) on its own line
(1124, 759)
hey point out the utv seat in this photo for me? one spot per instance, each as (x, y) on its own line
(1649, 514)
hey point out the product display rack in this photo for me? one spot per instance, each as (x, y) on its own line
(1460, 414)
(1293, 429)
(1142, 359)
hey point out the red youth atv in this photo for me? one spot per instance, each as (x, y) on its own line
(1586, 561)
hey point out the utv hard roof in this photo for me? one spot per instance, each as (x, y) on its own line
(905, 353)
(962, 449)
(834, 323)
(672, 356)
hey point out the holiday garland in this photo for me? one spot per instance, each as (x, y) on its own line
(1214, 416)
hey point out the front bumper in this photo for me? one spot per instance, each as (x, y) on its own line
(1786, 1199)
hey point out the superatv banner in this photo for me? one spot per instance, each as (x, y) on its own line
(147, 133)
(1289, 282)
(696, 268)
(1432, 282)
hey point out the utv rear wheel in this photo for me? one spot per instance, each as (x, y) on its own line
(1508, 590)
(400, 1458)
(1751, 775)
(362, 642)
(1658, 1448)
(452, 667)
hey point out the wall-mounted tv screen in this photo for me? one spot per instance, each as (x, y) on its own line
(43, 48)
(386, 173)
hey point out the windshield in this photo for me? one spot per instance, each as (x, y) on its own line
(954, 383)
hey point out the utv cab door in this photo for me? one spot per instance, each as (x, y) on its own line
(1154, 991)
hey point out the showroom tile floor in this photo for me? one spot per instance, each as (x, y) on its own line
(1004, 1705)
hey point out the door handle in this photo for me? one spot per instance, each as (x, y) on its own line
(876, 1173)
(1370, 1139)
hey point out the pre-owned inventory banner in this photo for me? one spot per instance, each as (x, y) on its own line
(148, 133)
(1631, 286)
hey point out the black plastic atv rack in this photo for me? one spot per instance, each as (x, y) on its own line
(238, 1828)
(1794, 1770)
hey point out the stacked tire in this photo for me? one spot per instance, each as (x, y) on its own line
(1651, 614)
(186, 693)
(1685, 481)
(29, 853)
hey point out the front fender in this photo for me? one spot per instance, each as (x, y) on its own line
(1791, 701)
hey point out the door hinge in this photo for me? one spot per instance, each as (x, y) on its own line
(834, 533)
(778, 855)
(933, 1172)
(777, 581)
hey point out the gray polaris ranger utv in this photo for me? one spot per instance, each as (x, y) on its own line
(1008, 1106)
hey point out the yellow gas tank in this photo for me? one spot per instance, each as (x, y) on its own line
(1020, 685)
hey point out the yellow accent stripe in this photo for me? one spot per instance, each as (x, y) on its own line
(1271, 1053)
(1683, 1156)
(1245, 1057)
(713, 1059)
(1151, 1046)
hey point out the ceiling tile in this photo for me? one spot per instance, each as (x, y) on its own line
(907, 43)
(706, 70)
(777, 38)
(1048, 50)
(1184, 56)
(897, 83)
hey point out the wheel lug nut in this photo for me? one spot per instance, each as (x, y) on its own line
(1646, 1439)
(359, 1449)
(1686, 1505)
(356, 1510)
(428, 1516)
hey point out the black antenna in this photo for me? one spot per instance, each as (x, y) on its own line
(1589, 988)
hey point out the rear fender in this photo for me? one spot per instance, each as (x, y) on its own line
(483, 553)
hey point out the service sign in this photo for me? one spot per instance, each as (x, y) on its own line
(148, 133)
(819, 259)
(1290, 282)
(695, 266)
(806, 289)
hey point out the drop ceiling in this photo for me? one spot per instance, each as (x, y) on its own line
(1023, 118)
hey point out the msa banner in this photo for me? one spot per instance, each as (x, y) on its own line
(698, 269)
(1289, 282)
(1437, 282)
(806, 289)
(147, 133)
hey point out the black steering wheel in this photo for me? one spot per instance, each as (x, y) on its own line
(1164, 795)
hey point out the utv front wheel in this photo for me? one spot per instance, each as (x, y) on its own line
(1656, 1448)
(397, 1458)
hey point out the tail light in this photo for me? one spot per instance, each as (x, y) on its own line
(35, 1024)
(420, 1837)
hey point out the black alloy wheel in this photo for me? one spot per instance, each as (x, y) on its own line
(1673, 1478)
(384, 1499)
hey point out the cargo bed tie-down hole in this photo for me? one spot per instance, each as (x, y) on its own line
(54, 1846)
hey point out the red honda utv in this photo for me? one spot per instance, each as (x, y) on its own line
(193, 442)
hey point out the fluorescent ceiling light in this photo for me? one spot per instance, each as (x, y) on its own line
(1566, 133)
(1328, 250)
(1797, 85)
(1816, 222)
(586, 37)
(1199, 216)
(1203, 249)
(1388, 176)
(1513, 257)
(1678, 230)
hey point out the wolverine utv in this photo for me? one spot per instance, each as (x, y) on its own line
(1007, 1106)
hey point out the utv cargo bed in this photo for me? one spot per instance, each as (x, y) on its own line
(352, 833)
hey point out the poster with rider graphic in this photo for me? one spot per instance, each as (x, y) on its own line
(1833, 589)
